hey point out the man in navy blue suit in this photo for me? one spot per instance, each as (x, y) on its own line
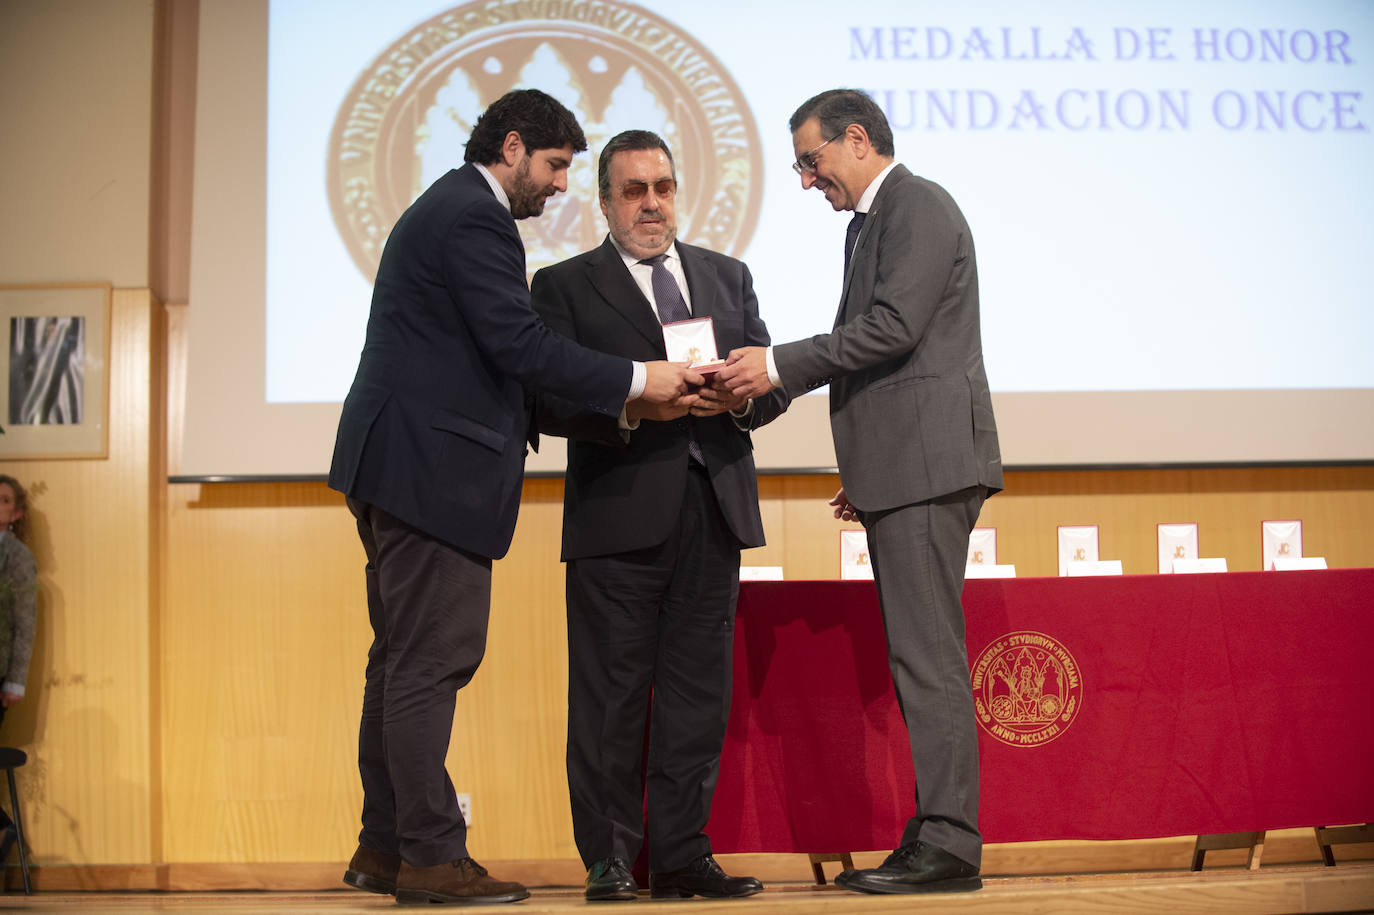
(430, 454)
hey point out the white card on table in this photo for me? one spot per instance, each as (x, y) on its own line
(1298, 563)
(760, 573)
(1006, 570)
(1188, 566)
(1078, 568)
(1176, 541)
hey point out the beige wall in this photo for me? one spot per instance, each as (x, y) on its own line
(194, 692)
(76, 83)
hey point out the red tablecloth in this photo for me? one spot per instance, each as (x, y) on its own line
(1111, 708)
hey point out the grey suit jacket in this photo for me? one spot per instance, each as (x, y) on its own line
(910, 409)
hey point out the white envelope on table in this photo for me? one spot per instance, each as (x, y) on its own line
(854, 562)
(1077, 543)
(982, 546)
(1279, 540)
(1176, 541)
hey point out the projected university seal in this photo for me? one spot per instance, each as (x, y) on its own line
(615, 65)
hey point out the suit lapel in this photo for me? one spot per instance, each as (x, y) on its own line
(701, 281)
(608, 275)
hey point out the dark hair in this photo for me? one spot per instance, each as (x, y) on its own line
(836, 109)
(19, 527)
(627, 141)
(540, 120)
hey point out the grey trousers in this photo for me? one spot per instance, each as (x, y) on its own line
(918, 554)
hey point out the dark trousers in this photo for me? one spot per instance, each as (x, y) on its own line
(659, 619)
(919, 553)
(5, 821)
(428, 603)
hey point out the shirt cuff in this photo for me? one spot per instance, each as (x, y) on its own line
(773, 375)
(638, 380)
(14, 689)
(743, 417)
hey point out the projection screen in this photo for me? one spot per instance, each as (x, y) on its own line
(1171, 201)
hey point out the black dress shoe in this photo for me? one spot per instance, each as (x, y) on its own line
(610, 878)
(703, 877)
(915, 868)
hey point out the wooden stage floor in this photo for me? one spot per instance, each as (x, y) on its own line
(1278, 889)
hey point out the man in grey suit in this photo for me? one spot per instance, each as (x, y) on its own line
(917, 450)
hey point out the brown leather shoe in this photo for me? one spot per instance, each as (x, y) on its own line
(373, 871)
(463, 880)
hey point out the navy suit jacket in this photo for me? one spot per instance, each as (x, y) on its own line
(626, 495)
(435, 426)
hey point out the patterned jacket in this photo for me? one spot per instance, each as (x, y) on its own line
(18, 593)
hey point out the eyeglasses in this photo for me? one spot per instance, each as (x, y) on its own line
(806, 162)
(635, 190)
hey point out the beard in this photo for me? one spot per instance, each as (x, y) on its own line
(527, 198)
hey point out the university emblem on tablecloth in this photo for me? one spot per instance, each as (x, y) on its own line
(1027, 688)
(615, 65)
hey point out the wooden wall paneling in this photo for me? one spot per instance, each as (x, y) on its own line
(84, 718)
(1227, 503)
(810, 533)
(510, 735)
(265, 640)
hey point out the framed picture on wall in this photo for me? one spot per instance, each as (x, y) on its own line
(54, 370)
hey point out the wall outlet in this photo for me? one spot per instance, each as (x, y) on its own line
(465, 805)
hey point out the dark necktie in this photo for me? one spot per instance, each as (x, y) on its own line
(851, 235)
(672, 307)
(667, 294)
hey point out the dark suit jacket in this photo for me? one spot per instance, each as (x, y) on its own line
(434, 428)
(910, 409)
(620, 495)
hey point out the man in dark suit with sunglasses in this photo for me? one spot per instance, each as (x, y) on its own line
(657, 505)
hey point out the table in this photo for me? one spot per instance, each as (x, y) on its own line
(1110, 708)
